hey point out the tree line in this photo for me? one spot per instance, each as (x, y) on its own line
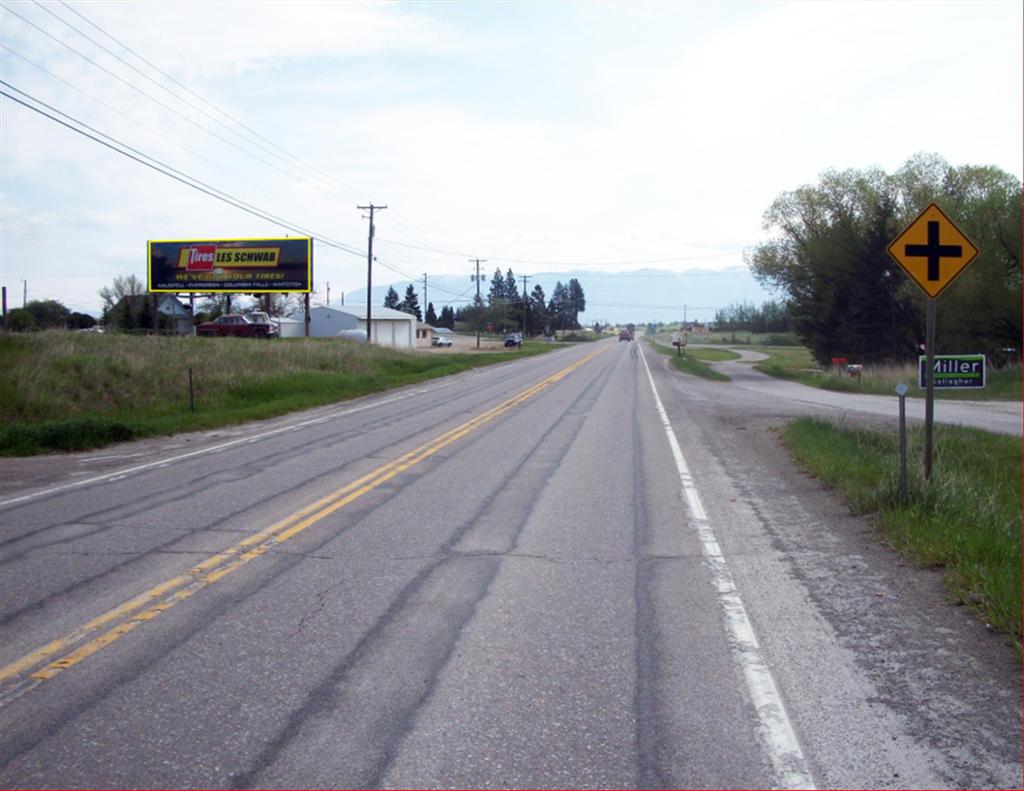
(47, 314)
(847, 298)
(504, 307)
(771, 316)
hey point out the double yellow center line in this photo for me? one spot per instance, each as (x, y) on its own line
(37, 667)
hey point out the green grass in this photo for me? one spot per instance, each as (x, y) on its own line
(689, 363)
(753, 339)
(74, 391)
(790, 362)
(798, 365)
(967, 521)
(711, 355)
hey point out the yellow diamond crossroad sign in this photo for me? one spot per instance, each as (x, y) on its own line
(932, 250)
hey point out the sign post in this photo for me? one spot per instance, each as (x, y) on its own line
(901, 391)
(929, 385)
(933, 251)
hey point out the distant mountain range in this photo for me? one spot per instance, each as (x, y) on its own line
(639, 296)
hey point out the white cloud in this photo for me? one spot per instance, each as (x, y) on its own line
(631, 132)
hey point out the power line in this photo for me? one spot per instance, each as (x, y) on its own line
(126, 116)
(219, 109)
(309, 170)
(167, 170)
(150, 97)
(566, 263)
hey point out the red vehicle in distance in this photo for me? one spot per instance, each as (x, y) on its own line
(235, 325)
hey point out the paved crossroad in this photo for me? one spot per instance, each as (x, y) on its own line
(579, 570)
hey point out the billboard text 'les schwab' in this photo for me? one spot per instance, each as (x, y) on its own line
(231, 265)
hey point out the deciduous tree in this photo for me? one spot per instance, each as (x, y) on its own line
(846, 297)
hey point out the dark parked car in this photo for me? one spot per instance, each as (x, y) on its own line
(237, 325)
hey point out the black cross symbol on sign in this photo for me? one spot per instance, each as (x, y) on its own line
(933, 251)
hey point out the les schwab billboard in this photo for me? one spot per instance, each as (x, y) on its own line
(231, 265)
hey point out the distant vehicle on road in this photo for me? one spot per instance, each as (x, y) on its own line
(625, 336)
(437, 340)
(513, 339)
(236, 325)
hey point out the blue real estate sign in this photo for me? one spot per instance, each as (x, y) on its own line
(954, 371)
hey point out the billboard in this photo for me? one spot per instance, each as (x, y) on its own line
(231, 265)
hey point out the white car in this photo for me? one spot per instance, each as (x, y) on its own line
(437, 340)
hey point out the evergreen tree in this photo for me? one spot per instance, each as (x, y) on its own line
(537, 315)
(577, 302)
(513, 302)
(431, 317)
(558, 307)
(411, 303)
(497, 293)
(391, 300)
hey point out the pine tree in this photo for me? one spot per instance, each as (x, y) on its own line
(537, 318)
(411, 303)
(431, 318)
(558, 308)
(497, 292)
(391, 300)
(577, 302)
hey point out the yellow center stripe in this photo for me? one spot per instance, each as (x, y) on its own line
(220, 565)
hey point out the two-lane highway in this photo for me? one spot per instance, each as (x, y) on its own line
(575, 570)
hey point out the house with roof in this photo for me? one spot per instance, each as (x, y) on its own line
(134, 312)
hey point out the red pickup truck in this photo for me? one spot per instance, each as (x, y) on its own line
(237, 325)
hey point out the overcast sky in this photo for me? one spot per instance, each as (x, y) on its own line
(539, 136)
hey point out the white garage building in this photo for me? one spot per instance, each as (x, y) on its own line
(390, 327)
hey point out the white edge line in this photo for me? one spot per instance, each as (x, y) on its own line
(776, 730)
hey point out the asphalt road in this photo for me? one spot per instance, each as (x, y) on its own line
(576, 570)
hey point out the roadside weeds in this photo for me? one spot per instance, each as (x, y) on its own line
(966, 522)
(67, 391)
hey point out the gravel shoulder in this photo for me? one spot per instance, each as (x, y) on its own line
(889, 684)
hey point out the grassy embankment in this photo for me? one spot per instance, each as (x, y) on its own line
(73, 391)
(695, 361)
(796, 363)
(968, 521)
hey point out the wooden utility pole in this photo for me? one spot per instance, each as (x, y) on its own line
(369, 269)
(526, 279)
(478, 304)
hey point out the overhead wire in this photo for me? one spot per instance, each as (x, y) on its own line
(309, 170)
(352, 191)
(161, 167)
(152, 98)
(163, 87)
(561, 263)
(226, 197)
(128, 117)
